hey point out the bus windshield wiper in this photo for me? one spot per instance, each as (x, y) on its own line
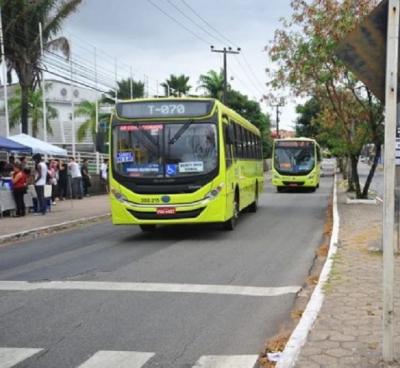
(180, 132)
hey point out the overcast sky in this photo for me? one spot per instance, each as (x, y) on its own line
(141, 36)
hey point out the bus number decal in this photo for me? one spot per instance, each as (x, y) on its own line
(167, 109)
(150, 200)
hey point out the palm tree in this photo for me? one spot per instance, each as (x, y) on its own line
(88, 109)
(213, 83)
(21, 40)
(176, 85)
(124, 91)
(35, 102)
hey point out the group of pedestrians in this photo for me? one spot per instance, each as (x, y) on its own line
(54, 173)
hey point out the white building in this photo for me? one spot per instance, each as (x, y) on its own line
(60, 96)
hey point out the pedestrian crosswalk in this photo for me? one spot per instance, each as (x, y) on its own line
(10, 357)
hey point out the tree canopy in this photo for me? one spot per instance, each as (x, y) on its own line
(176, 85)
(124, 91)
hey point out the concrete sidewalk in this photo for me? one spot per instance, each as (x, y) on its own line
(348, 330)
(63, 211)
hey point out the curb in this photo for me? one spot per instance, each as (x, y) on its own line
(33, 233)
(300, 333)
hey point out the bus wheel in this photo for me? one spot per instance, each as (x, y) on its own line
(280, 189)
(254, 206)
(147, 228)
(231, 223)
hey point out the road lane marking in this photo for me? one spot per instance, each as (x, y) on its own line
(117, 359)
(10, 357)
(227, 361)
(149, 287)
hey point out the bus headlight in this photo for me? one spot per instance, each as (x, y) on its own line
(276, 176)
(311, 176)
(214, 193)
(118, 196)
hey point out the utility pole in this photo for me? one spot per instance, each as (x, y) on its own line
(391, 87)
(277, 106)
(43, 86)
(3, 65)
(225, 51)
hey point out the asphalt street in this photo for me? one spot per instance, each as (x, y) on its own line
(188, 296)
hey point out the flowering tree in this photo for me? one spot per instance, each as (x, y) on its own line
(304, 53)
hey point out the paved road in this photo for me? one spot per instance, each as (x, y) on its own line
(182, 297)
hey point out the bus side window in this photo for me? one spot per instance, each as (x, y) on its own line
(228, 147)
(253, 147)
(246, 143)
(238, 141)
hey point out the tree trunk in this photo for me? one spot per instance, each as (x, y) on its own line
(24, 108)
(342, 162)
(354, 173)
(378, 150)
(350, 179)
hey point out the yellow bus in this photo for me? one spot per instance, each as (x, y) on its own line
(296, 163)
(182, 161)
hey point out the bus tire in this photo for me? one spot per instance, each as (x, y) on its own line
(230, 224)
(280, 189)
(147, 228)
(254, 206)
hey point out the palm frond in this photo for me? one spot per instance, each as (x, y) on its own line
(59, 44)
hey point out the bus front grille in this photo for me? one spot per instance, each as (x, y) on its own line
(154, 216)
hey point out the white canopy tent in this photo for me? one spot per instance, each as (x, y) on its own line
(38, 146)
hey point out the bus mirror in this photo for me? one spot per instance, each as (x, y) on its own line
(230, 135)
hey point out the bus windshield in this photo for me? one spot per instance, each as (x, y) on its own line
(165, 150)
(294, 157)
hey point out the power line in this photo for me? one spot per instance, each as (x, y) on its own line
(179, 23)
(205, 30)
(208, 24)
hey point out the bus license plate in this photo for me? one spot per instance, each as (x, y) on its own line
(166, 211)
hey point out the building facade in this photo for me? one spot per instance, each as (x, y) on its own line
(65, 100)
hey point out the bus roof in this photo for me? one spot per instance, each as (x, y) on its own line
(231, 113)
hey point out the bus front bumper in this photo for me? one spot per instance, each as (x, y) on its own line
(306, 181)
(203, 211)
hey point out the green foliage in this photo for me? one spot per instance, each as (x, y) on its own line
(177, 85)
(124, 91)
(88, 110)
(213, 84)
(21, 40)
(307, 123)
(35, 101)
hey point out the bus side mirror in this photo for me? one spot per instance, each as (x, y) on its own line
(230, 134)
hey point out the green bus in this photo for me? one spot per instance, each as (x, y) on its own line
(296, 163)
(181, 161)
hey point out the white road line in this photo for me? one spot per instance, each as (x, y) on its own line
(227, 361)
(149, 287)
(117, 359)
(12, 356)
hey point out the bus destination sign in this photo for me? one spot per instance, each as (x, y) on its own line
(163, 109)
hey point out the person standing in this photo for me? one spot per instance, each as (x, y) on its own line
(19, 179)
(40, 182)
(76, 177)
(53, 174)
(85, 177)
(62, 180)
(104, 173)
